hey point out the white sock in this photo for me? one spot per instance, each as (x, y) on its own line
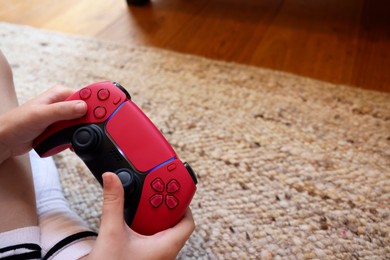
(63, 233)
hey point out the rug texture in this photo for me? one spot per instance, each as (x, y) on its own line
(288, 167)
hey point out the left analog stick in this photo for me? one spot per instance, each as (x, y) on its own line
(86, 138)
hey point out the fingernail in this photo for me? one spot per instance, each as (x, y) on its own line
(107, 178)
(81, 107)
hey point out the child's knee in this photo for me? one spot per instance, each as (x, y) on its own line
(8, 99)
(5, 69)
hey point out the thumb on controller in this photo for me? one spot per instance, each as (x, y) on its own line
(113, 201)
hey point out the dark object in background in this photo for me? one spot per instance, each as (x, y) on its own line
(137, 2)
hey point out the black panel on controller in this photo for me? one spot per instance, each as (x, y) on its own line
(100, 155)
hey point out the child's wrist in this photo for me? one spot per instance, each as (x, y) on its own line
(5, 151)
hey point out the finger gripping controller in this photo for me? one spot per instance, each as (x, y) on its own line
(116, 136)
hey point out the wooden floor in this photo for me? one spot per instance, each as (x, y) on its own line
(345, 42)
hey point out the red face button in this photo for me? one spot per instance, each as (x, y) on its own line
(173, 186)
(99, 112)
(103, 94)
(171, 201)
(158, 185)
(85, 93)
(156, 200)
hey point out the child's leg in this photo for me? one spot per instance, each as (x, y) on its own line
(18, 216)
(64, 235)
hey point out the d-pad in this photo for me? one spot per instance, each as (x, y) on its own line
(164, 193)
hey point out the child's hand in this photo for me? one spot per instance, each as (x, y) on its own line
(117, 241)
(20, 126)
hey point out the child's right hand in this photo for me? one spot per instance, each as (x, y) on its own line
(117, 241)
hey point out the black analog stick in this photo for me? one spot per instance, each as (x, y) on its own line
(128, 180)
(86, 138)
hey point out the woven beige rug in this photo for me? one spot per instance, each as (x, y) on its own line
(288, 167)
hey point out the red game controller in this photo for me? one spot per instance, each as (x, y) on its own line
(116, 136)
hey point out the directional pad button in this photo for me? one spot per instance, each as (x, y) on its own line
(173, 186)
(164, 193)
(156, 200)
(171, 201)
(158, 185)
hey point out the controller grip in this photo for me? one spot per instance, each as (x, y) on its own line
(55, 143)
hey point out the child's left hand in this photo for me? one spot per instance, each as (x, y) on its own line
(20, 126)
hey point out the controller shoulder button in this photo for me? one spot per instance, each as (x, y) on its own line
(85, 93)
(100, 112)
(158, 185)
(191, 172)
(103, 94)
(123, 90)
(173, 186)
(156, 200)
(171, 201)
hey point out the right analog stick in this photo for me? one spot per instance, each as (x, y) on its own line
(128, 180)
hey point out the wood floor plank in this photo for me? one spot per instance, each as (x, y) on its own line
(311, 39)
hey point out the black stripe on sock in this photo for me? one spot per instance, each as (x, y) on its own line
(34, 254)
(28, 246)
(68, 240)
